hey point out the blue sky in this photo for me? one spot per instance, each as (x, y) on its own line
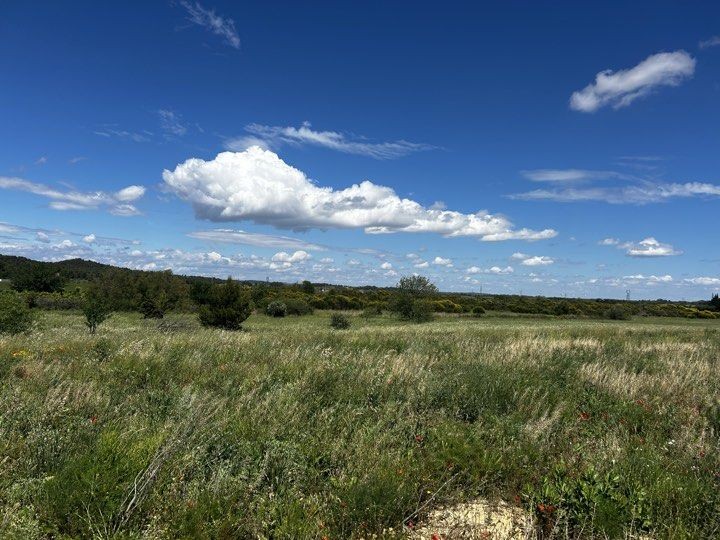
(570, 149)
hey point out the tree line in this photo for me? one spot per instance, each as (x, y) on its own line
(77, 284)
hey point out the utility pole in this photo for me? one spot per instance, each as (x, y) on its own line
(627, 295)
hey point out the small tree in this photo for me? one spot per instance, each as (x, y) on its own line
(413, 298)
(96, 309)
(478, 311)
(715, 302)
(307, 287)
(15, 316)
(339, 321)
(227, 308)
(276, 309)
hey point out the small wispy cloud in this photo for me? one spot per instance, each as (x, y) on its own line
(211, 21)
(274, 137)
(171, 123)
(116, 203)
(620, 88)
(572, 175)
(111, 132)
(712, 42)
(76, 159)
(643, 193)
(42, 160)
(231, 236)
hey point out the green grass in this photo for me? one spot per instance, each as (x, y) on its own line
(291, 429)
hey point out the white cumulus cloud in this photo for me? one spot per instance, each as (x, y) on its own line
(441, 261)
(649, 247)
(257, 185)
(284, 257)
(532, 260)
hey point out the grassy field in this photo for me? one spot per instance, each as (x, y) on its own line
(293, 430)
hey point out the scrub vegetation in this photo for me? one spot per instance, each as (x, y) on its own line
(289, 428)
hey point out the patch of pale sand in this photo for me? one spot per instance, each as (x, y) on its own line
(479, 519)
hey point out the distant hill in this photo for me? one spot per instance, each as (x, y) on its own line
(12, 265)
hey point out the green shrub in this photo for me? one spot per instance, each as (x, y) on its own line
(276, 309)
(339, 321)
(478, 311)
(15, 316)
(295, 306)
(617, 313)
(227, 307)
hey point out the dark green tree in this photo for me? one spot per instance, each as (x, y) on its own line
(227, 308)
(307, 287)
(38, 278)
(96, 308)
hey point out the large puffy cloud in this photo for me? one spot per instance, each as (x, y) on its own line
(621, 88)
(257, 185)
(116, 203)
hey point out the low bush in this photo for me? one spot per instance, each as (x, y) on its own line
(339, 321)
(478, 311)
(617, 313)
(295, 306)
(15, 316)
(276, 309)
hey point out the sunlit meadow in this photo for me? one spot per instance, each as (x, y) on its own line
(292, 429)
